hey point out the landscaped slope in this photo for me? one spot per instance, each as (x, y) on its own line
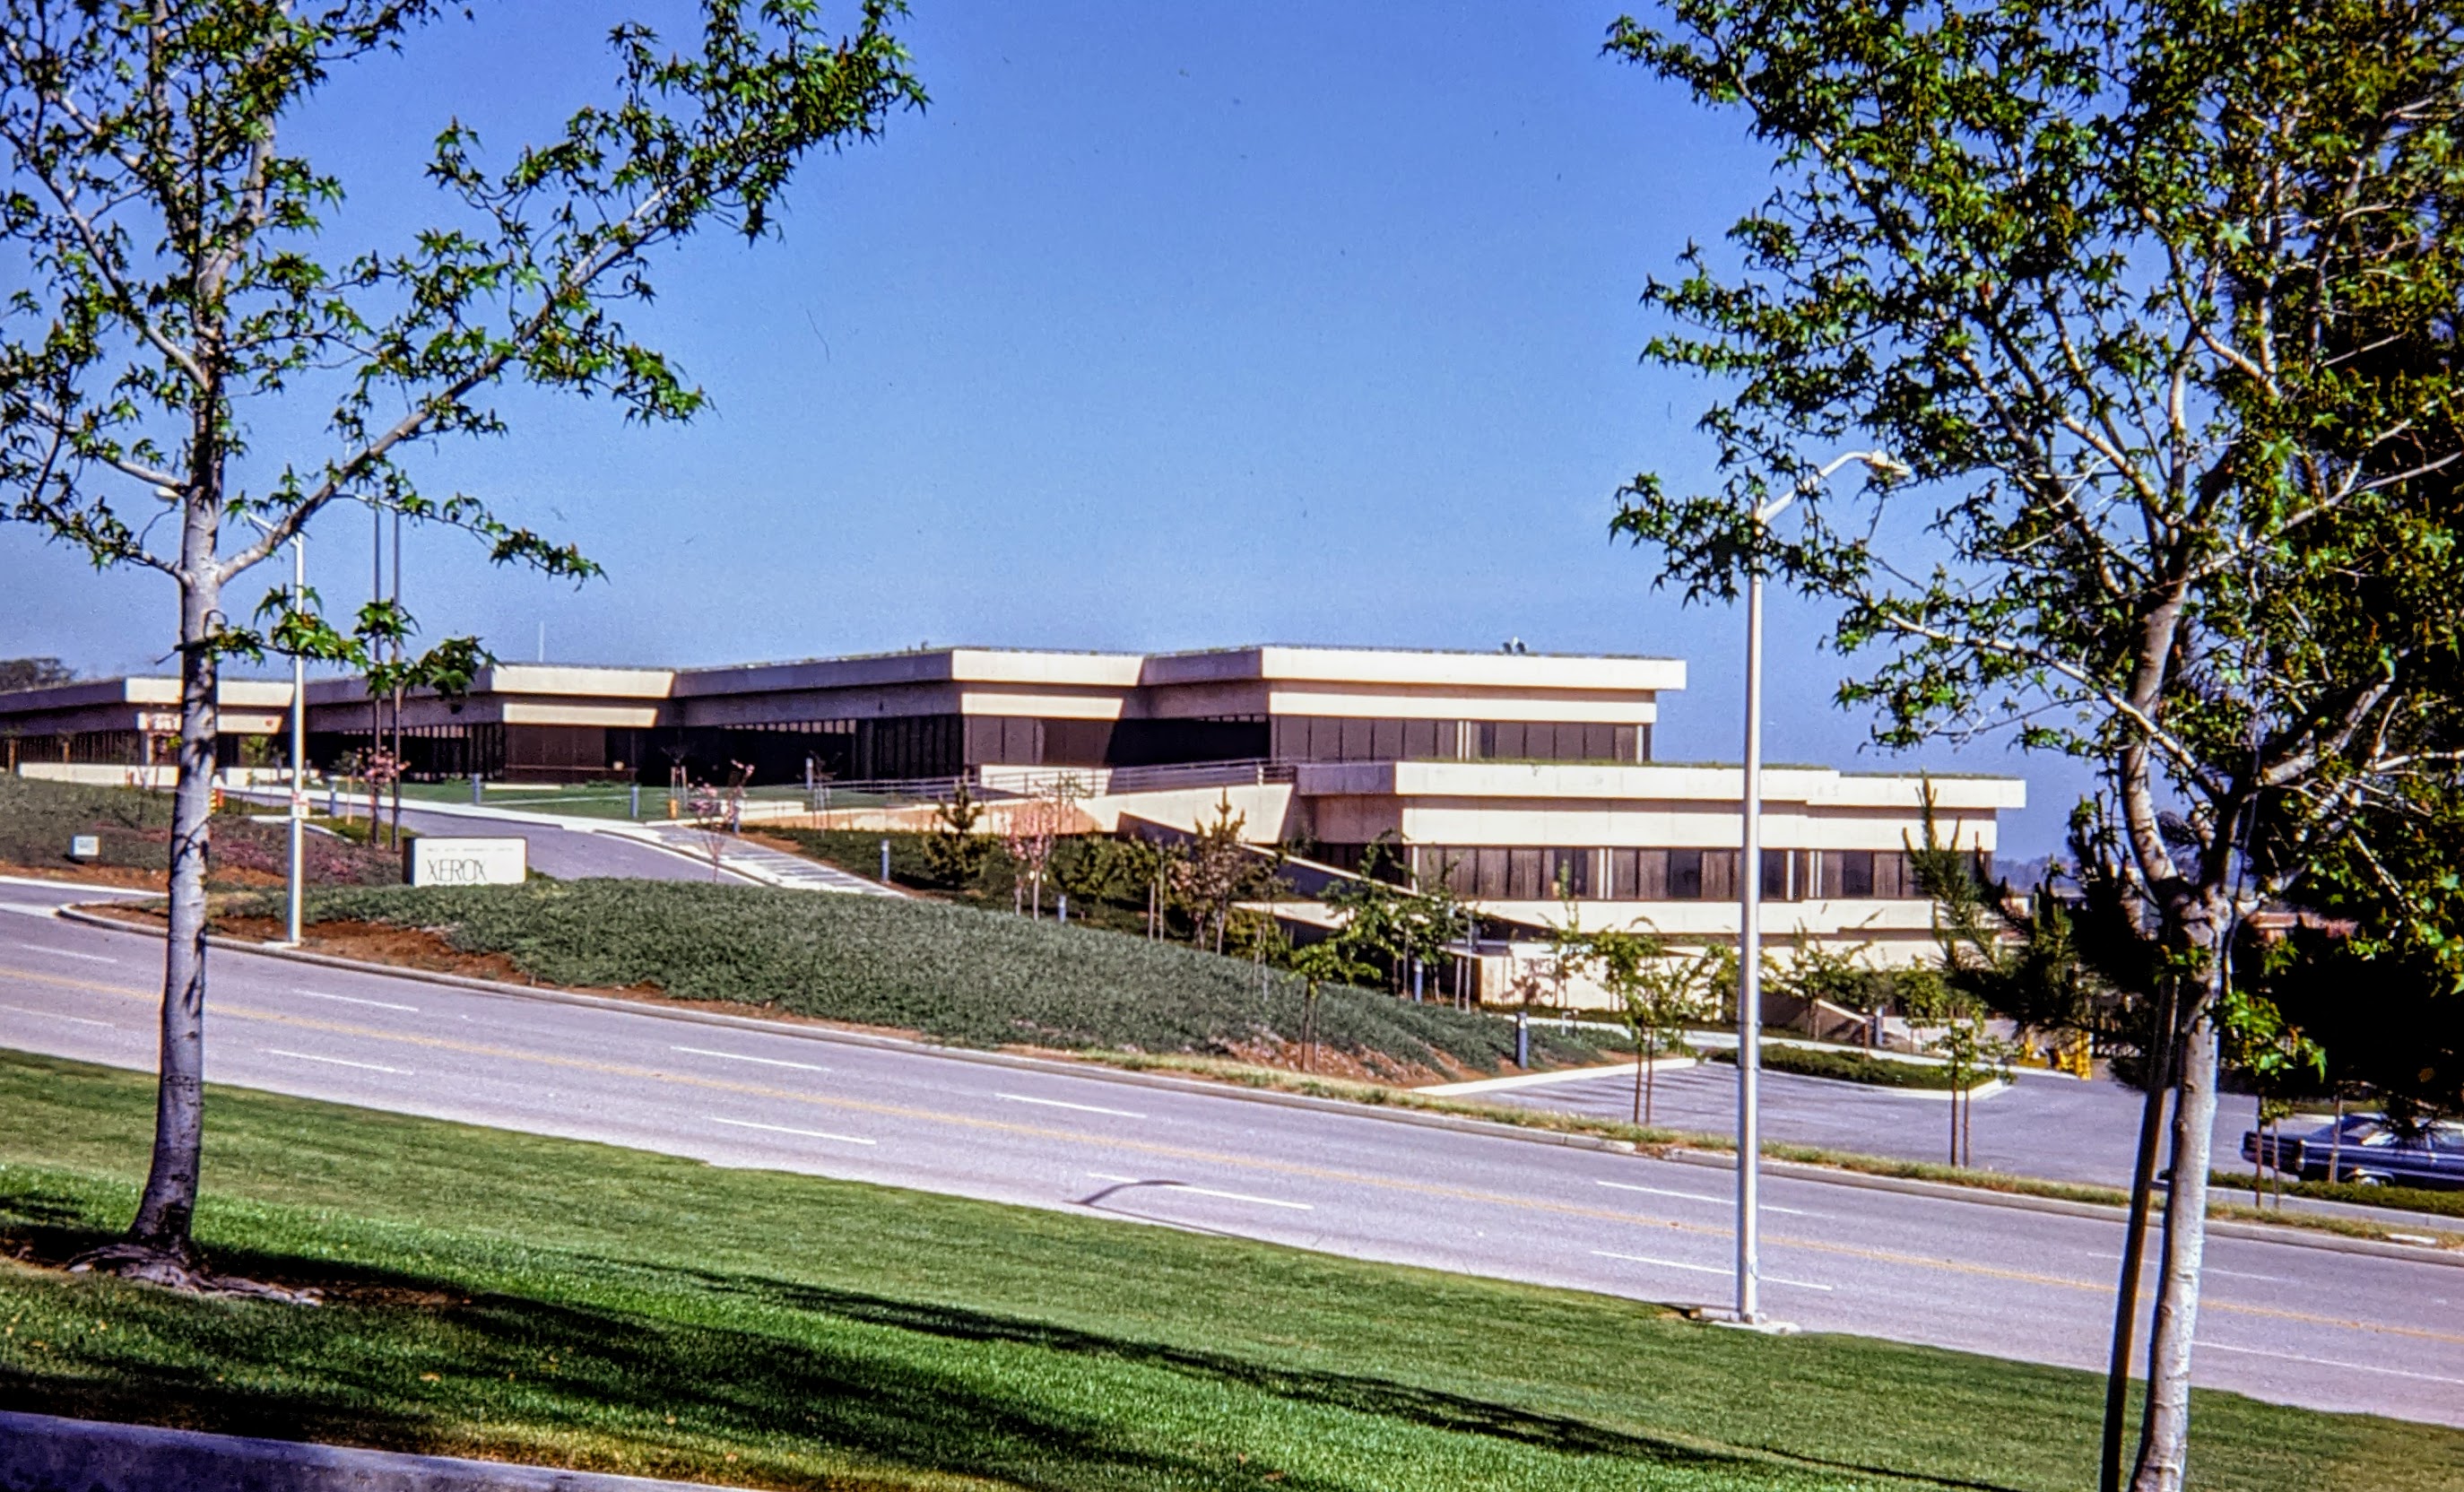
(954, 973)
(133, 833)
(529, 1298)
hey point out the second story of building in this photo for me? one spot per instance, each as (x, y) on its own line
(949, 711)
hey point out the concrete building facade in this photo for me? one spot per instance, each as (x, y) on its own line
(1522, 781)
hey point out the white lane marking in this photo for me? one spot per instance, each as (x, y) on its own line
(352, 1000)
(339, 1061)
(29, 909)
(1054, 1103)
(1717, 1270)
(1204, 1191)
(2149, 1259)
(1697, 1196)
(53, 1015)
(2326, 1362)
(781, 1129)
(66, 953)
(766, 1062)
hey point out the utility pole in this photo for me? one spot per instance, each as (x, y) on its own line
(295, 879)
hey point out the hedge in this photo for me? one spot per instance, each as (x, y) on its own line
(1856, 1068)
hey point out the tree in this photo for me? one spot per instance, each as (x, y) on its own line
(2101, 277)
(1660, 994)
(1332, 959)
(1031, 830)
(1214, 871)
(1969, 1052)
(173, 303)
(954, 852)
(32, 674)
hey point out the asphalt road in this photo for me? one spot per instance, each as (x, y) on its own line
(2283, 1322)
(2042, 1125)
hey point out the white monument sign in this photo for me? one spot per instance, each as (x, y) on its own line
(432, 861)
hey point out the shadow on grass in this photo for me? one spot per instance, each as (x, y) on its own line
(405, 1362)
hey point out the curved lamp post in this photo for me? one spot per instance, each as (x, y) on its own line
(1749, 903)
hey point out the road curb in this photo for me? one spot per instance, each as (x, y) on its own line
(45, 1453)
(1795, 1171)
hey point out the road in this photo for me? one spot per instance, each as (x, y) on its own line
(2283, 1322)
(2044, 1125)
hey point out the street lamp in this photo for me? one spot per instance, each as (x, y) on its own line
(1749, 903)
(299, 734)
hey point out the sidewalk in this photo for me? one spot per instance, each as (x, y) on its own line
(753, 861)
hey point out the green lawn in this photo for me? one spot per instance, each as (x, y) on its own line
(956, 973)
(522, 1297)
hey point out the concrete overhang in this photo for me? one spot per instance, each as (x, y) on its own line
(937, 665)
(149, 693)
(1812, 786)
(552, 680)
(1420, 670)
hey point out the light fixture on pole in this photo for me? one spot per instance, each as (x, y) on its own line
(1749, 903)
(299, 816)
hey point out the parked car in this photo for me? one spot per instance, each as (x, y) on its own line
(2371, 1152)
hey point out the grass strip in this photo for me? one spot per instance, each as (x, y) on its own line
(529, 1298)
(2406, 1199)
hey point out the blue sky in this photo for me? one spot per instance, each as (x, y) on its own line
(1165, 326)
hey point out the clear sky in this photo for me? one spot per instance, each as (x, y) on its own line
(1165, 326)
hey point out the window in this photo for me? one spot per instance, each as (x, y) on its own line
(1685, 875)
(1490, 882)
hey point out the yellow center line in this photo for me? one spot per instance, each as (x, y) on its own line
(1193, 1154)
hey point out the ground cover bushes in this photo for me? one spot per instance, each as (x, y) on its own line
(133, 831)
(952, 972)
(522, 1297)
(1856, 1068)
(993, 884)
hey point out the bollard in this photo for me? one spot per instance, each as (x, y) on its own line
(475, 792)
(1523, 1036)
(1065, 909)
(885, 862)
(633, 808)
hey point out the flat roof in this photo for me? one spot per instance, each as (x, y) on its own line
(1025, 667)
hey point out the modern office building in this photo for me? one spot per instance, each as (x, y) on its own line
(1524, 780)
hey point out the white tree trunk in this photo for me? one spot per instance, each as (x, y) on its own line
(170, 1197)
(2163, 1444)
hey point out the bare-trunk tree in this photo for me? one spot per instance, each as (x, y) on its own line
(2116, 284)
(169, 292)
